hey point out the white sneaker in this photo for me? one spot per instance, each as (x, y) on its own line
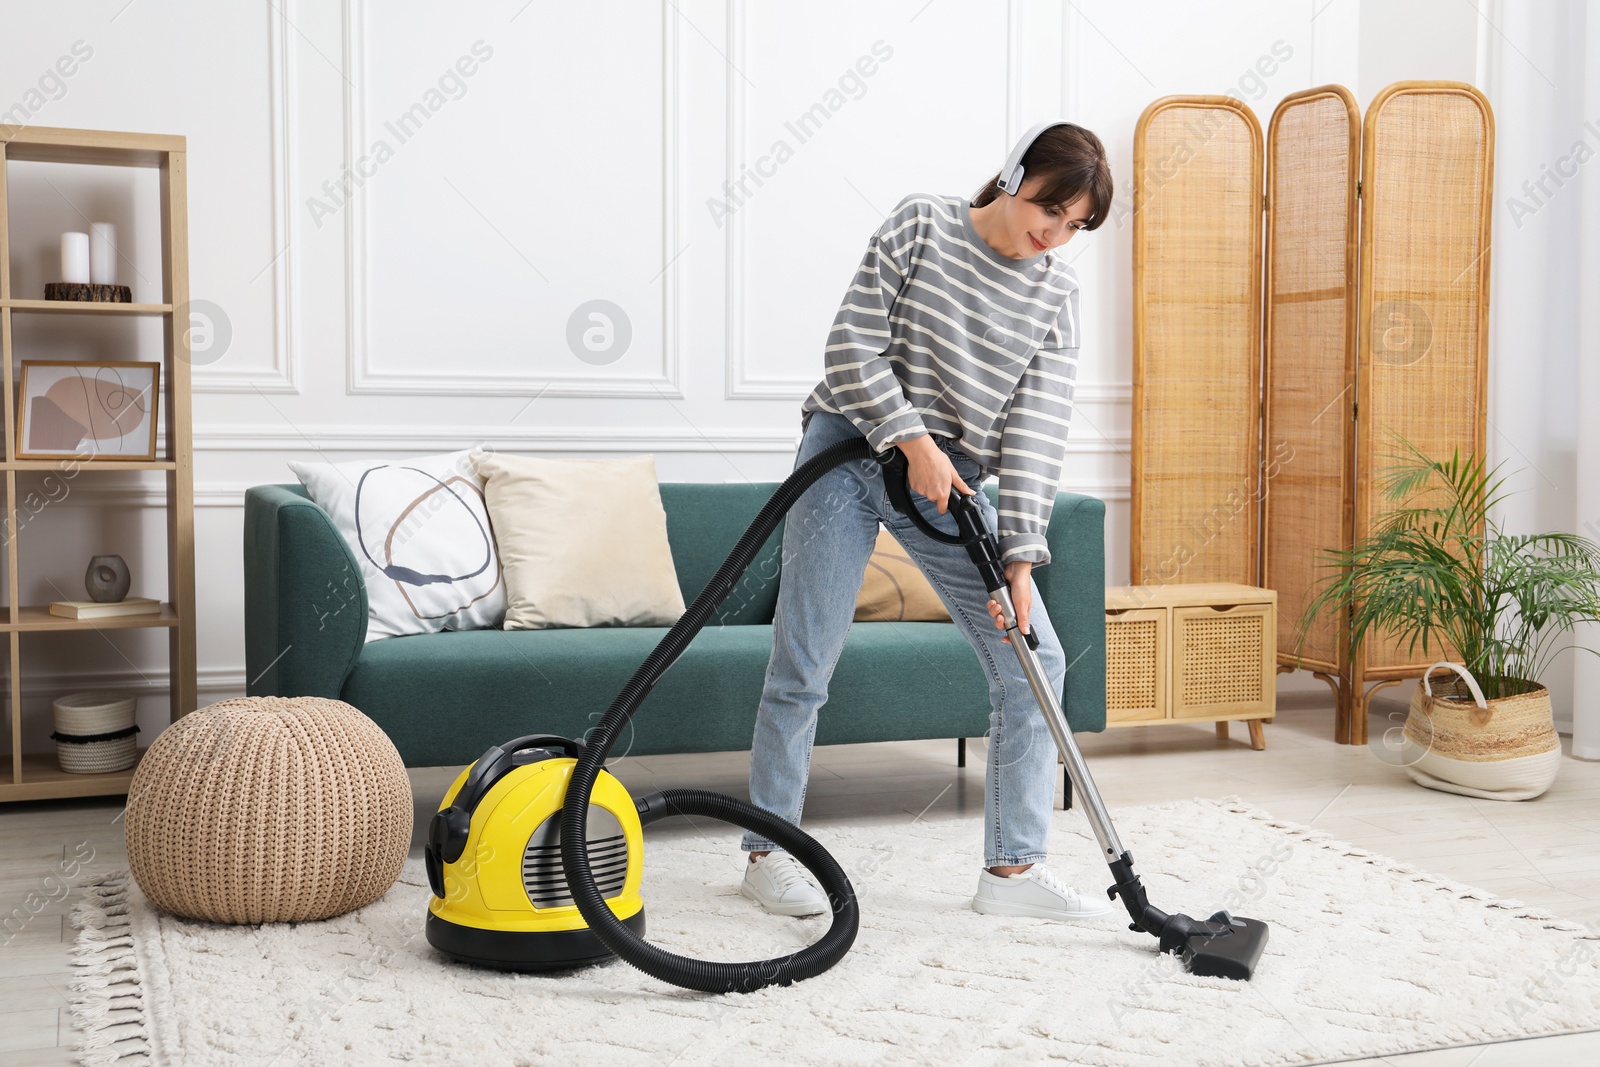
(1037, 893)
(779, 883)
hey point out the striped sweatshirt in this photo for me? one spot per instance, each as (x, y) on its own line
(939, 333)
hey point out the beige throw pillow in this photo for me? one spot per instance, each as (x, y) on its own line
(894, 589)
(582, 542)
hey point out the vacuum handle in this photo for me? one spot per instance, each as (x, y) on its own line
(974, 533)
(897, 480)
(489, 767)
(570, 746)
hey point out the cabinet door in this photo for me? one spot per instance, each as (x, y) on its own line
(1137, 640)
(1222, 660)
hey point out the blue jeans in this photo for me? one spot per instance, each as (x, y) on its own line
(828, 537)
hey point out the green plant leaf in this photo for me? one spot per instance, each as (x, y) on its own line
(1435, 569)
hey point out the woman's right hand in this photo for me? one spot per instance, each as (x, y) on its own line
(930, 471)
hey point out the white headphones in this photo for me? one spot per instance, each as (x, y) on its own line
(1011, 174)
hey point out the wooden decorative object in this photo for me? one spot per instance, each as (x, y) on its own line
(37, 777)
(114, 294)
(1196, 341)
(1200, 652)
(88, 410)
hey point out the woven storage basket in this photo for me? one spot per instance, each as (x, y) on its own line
(106, 717)
(268, 809)
(1503, 749)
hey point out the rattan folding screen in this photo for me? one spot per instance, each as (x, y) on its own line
(1427, 174)
(1196, 323)
(1313, 270)
(1371, 316)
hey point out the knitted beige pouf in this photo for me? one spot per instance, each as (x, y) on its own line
(268, 809)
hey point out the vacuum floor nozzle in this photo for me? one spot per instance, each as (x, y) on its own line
(1225, 947)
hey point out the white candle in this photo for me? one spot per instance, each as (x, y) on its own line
(75, 257)
(102, 253)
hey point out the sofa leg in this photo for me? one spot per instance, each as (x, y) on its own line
(961, 752)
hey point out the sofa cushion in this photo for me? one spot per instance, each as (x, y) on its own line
(894, 589)
(439, 697)
(419, 531)
(583, 541)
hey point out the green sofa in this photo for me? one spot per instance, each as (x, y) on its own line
(443, 698)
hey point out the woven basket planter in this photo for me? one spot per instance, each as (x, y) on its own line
(95, 732)
(1502, 749)
(268, 809)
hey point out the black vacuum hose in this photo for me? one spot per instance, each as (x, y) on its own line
(706, 975)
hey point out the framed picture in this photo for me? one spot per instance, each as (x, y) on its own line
(78, 409)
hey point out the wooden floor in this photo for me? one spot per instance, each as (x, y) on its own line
(1545, 851)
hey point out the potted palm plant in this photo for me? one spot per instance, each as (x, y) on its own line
(1439, 570)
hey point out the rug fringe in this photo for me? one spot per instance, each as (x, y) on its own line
(108, 1005)
(1323, 839)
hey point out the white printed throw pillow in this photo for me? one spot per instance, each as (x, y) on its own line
(420, 532)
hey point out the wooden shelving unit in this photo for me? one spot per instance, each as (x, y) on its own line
(37, 776)
(85, 307)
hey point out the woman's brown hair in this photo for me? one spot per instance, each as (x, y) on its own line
(1072, 162)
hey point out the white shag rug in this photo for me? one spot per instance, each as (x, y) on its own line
(1367, 956)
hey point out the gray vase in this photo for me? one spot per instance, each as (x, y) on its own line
(107, 579)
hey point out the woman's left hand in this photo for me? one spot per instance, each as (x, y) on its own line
(1019, 575)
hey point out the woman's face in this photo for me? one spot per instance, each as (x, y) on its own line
(1036, 228)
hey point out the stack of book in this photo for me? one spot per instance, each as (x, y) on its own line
(94, 609)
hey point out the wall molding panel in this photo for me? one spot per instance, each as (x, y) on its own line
(217, 494)
(215, 683)
(283, 377)
(231, 494)
(740, 384)
(366, 375)
(351, 437)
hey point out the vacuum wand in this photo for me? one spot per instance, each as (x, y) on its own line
(1222, 946)
(1099, 820)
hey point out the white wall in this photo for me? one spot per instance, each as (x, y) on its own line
(1539, 71)
(1415, 39)
(588, 155)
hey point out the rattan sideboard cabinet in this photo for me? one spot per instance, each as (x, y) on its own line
(1197, 652)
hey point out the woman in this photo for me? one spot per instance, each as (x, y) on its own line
(957, 343)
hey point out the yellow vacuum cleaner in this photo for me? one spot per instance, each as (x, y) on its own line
(535, 856)
(500, 896)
